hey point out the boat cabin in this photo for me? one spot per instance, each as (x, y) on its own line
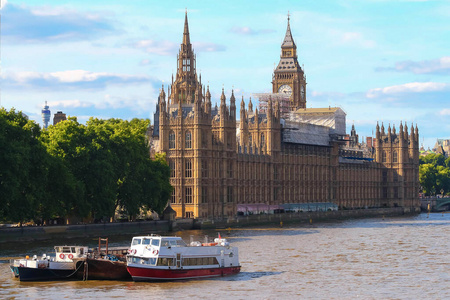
(67, 253)
(157, 241)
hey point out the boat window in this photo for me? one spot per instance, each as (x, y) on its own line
(146, 242)
(66, 249)
(73, 250)
(136, 242)
(166, 262)
(180, 242)
(81, 250)
(57, 249)
(200, 261)
(155, 243)
(172, 242)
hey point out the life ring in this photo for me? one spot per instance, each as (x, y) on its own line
(134, 251)
(155, 252)
(62, 256)
(70, 256)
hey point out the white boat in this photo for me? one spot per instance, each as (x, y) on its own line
(156, 257)
(60, 267)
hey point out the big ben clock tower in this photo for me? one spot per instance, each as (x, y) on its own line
(289, 77)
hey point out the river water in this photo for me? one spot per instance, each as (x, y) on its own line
(390, 258)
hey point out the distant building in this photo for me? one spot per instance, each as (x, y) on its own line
(46, 114)
(282, 155)
(442, 146)
(58, 117)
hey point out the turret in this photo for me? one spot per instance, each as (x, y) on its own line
(250, 105)
(208, 101)
(377, 133)
(162, 100)
(400, 132)
(232, 106)
(277, 110)
(269, 111)
(406, 132)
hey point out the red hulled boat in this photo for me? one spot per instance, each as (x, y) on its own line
(154, 258)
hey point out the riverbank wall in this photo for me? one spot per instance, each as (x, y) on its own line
(306, 218)
(30, 233)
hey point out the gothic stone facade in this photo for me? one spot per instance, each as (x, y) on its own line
(218, 163)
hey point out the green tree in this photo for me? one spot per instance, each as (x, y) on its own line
(67, 142)
(22, 173)
(427, 178)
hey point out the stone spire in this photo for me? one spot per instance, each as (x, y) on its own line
(186, 40)
(288, 41)
(232, 105)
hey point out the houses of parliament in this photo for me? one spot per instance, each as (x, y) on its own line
(231, 158)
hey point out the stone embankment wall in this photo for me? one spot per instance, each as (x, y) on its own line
(147, 227)
(85, 230)
(306, 217)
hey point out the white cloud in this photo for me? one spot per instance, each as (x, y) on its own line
(3, 3)
(440, 66)
(157, 47)
(413, 87)
(23, 24)
(208, 47)
(144, 62)
(245, 30)
(445, 112)
(70, 103)
(69, 78)
(355, 38)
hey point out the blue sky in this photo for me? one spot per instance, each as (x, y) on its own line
(380, 60)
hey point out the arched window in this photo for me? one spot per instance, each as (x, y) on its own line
(188, 168)
(172, 168)
(263, 140)
(383, 156)
(394, 157)
(171, 140)
(188, 140)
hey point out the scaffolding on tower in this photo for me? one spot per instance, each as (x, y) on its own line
(281, 98)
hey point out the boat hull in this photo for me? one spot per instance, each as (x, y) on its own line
(45, 274)
(154, 274)
(101, 269)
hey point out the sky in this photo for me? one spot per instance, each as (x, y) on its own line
(379, 60)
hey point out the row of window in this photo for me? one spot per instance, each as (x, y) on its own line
(215, 139)
(394, 156)
(163, 261)
(188, 173)
(200, 261)
(189, 197)
(187, 140)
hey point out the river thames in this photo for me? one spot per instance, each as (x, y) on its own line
(391, 258)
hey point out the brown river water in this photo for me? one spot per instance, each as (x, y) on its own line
(391, 258)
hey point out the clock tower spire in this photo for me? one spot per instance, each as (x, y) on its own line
(288, 77)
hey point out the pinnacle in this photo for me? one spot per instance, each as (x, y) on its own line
(186, 39)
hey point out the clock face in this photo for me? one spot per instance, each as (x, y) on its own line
(285, 89)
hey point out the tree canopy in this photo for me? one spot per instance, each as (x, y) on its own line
(78, 171)
(434, 174)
